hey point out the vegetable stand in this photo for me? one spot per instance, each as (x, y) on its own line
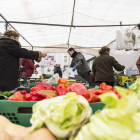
(20, 112)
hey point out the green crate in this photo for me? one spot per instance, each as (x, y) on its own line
(18, 112)
(127, 84)
(96, 106)
(30, 80)
(32, 85)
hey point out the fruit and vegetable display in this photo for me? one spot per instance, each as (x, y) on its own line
(46, 91)
(65, 117)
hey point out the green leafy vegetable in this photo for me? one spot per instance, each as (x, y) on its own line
(118, 120)
(62, 115)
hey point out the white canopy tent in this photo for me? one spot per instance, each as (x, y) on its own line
(57, 39)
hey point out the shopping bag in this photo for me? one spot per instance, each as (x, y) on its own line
(68, 73)
(54, 79)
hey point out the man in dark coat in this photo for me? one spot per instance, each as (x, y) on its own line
(58, 70)
(79, 62)
(103, 67)
(10, 54)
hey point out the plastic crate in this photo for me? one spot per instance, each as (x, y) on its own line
(96, 106)
(31, 80)
(18, 112)
(127, 84)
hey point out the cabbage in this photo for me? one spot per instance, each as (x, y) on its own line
(118, 120)
(62, 115)
(136, 87)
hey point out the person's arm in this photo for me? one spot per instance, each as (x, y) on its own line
(80, 58)
(71, 65)
(93, 68)
(31, 64)
(117, 66)
(16, 50)
(55, 70)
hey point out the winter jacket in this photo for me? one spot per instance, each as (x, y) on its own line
(58, 70)
(29, 66)
(138, 64)
(103, 68)
(80, 63)
(10, 52)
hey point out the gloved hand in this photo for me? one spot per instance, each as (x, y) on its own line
(74, 68)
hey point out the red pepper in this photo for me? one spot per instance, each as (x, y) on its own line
(93, 98)
(80, 89)
(36, 89)
(45, 86)
(61, 90)
(117, 93)
(103, 86)
(48, 96)
(91, 91)
(69, 88)
(40, 95)
(16, 97)
(109, 87)
(99, 92)
(35, 98)
(28, 97)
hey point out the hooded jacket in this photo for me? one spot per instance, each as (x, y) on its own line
(29, 66)
(10, 52)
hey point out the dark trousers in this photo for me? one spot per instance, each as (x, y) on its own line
(86, 76)
(108, 83)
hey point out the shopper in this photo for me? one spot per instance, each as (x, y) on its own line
(28, 64)
(79, 62)
(58, 70)
(103, 67)
(10, 54)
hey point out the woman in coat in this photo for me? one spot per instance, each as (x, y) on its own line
(103, 67)
(10, 54)
(28, 64)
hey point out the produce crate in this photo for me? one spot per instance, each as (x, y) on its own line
(18, 112)
(31, 80)
(127, 84)
(122, 80)
(96, 106)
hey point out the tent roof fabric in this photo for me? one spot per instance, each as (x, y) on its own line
(86, 12)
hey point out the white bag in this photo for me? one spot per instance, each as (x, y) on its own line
(128, 35)
(68, 73)
(54, 79)
(120, 43)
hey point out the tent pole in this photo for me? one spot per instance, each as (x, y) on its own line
(71, 23)
(7, 22)
(74, 26)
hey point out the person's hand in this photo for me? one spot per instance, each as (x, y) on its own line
(74, 68)
(44, 54)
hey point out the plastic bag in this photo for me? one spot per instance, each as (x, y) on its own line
(128, 35)
(54, 79)
(68, 73)
(120, 43)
